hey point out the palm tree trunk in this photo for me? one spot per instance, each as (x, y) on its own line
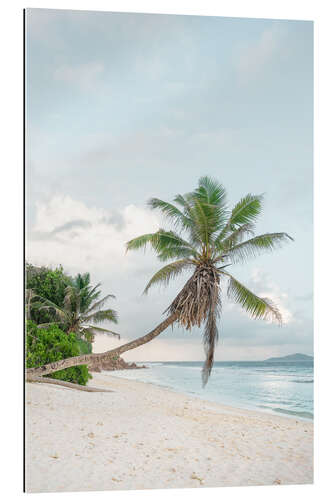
(32, 373)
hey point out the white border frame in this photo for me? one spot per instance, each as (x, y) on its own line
(12, 230)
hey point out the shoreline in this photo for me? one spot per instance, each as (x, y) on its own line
(143, 436)
(234, 405)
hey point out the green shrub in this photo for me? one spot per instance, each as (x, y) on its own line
(84, 346)
(48, 283)
(45, 345)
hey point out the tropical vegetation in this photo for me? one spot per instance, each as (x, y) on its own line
(207, 237)
(52, 344)
(59, 306)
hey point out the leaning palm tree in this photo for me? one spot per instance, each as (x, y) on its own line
(81, 310)
(206, 239)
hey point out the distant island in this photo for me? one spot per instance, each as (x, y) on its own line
(292, 357)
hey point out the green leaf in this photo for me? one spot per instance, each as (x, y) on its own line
(171, 212)
(256, 307)
(140, 242)
(97, 329)
(105, 315)
(255, 246)
(169, 271)
(211, 192)
(234, 237)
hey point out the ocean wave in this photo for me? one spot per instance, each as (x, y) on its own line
(301, 414)
(303, 381)
(294, 413)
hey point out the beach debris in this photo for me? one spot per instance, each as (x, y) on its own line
(194, 476)
(116, 436)
(116, 480)
(55, 455)
(100, 423)
(91, 435)
(277, 481)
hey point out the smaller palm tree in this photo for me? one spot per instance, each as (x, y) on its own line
(82, 310)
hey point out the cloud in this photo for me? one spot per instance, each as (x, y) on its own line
(306, 297)
(100, 235)
(71, 225)
(84, 75)
(253, 58)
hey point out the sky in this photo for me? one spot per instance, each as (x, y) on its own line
(124, 107)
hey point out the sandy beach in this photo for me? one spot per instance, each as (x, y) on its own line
(142, 436)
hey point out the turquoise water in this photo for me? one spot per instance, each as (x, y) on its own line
(279, 387)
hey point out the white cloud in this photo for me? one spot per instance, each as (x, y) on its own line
(253, 58)
(69, 232)
(84, 76)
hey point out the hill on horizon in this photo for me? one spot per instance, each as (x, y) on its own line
(292, 357)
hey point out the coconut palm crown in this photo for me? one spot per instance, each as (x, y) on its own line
(207, 238)
(82, 310)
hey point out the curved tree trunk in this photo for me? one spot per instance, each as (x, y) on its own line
(32, 373)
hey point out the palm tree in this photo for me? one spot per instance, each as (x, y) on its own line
(206, 239)
(82, 309)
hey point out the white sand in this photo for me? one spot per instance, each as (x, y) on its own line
(142, 436)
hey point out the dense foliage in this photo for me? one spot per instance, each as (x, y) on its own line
(45, 345)
(84, 346)
(74, 304)
(48, 283)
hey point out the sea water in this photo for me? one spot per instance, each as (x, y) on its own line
(281, 387)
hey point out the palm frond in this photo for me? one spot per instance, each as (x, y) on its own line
(100, 303)
(159, 241)
(176, 252)
(186, 202)
(165, 239)
(211, 196)
(52, 308)
(140, 242)
(211, 192)
(98, 329)
(256, 307)
(255, 246)
(234, 237)
(171, 212)
(71, 293)
(246, 211)
(100, 316)
(167, 272)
